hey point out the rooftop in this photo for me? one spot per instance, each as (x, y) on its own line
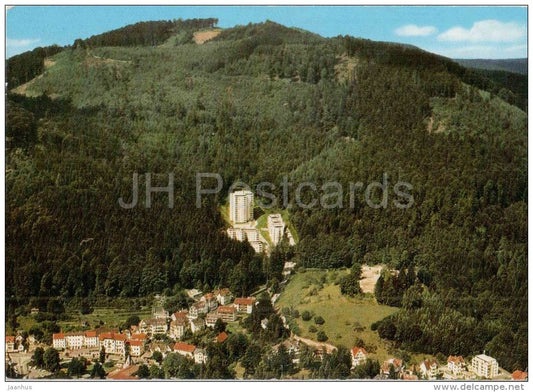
(180, 346)
(484, 357)
(244, 301)
(456, 359)
(355, 350)
(221, 337)
(226, 309)
(242, 192)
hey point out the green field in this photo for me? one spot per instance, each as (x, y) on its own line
(107, 316)
(347, 319)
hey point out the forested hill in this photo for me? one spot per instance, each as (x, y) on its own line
(510, 65)
(258, 103)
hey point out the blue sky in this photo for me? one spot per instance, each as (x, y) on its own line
(457, 32)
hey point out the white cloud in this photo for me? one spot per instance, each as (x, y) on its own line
(20, 43)
(485, 31)
(483, 52)
(412, 30)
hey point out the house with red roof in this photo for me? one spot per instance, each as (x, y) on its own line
(178, 327)
(519, 375)
(113, 343)
(58, 341)
(244, 305)
(182, 314)
(223, 296)
(210, 300)
(429, 369)
(124, 373)
(456, 365)
(136, 347)
(187, 350)
(359, 355)
(211, 319)
(153, 326)
(74, 340)
(221, 337)
(90, 339)
(395, 364)
(139, 336)
(197, 309)
(227, 313)
(10, 344)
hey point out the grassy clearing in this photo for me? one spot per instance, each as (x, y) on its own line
(347, 319)
(224, 211)
(111, 317)
(107, 316)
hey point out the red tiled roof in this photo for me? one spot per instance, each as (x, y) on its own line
(10, 339)
(124, 374)
(355, 350)
(519, 375)
(180, 346)
(456, 359)
(112, 336)
(90, 334)
(138, 336)
(179, 322)
(181, 314)
(224, 291)
(221, 337)
(136, 342)
(226, 309)
(244, 301)
(430, 363)
(395, 362)
(58, 336)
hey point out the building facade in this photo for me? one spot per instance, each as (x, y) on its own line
(276, 228)
(485, 366)
(241, 206)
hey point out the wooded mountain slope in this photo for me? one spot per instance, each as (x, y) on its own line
(258, 103)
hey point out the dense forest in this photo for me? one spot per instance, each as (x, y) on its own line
(260, 103)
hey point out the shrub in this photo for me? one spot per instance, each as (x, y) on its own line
(306, 315)
(319, 320)
(312, 329)
(321, 336)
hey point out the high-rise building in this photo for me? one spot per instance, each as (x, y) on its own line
(241, 206)
(485, 366)
(276, 228)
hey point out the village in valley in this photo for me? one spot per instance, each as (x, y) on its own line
(213, 317)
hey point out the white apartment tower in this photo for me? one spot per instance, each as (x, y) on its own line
(276, 228)
(485, 366)
(241, 206)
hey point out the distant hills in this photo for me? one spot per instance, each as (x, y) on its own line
(509, 65)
